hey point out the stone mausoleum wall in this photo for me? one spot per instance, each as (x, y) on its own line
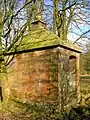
(48, 76)
(33, 77)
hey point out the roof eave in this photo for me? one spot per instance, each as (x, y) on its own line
(41, 48)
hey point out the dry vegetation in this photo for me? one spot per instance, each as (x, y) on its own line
(35, 112)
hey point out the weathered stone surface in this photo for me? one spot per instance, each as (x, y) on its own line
(33, 76)
(48, 76)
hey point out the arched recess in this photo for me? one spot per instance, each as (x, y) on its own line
(72, 63)
(72, 72)
(1, 97)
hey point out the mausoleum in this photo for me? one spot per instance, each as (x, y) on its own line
(44, 69)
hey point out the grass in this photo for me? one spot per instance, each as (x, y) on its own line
(85, 84)
(85, 77)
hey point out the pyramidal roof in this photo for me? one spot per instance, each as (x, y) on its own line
(40, 37)
(37, 38)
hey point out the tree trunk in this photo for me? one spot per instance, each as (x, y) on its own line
(62, 30)
(55, 16)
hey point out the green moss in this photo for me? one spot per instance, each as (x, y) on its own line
(40, 37)
(37, 39)
(53, 67)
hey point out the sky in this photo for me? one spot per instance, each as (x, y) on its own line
(71, 35)
(82, 27)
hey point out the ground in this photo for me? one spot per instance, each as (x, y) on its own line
(81, 112)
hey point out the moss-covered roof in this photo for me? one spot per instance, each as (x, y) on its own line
(39, 37)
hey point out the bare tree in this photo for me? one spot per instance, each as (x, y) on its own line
(67, 16)
(71, 17)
